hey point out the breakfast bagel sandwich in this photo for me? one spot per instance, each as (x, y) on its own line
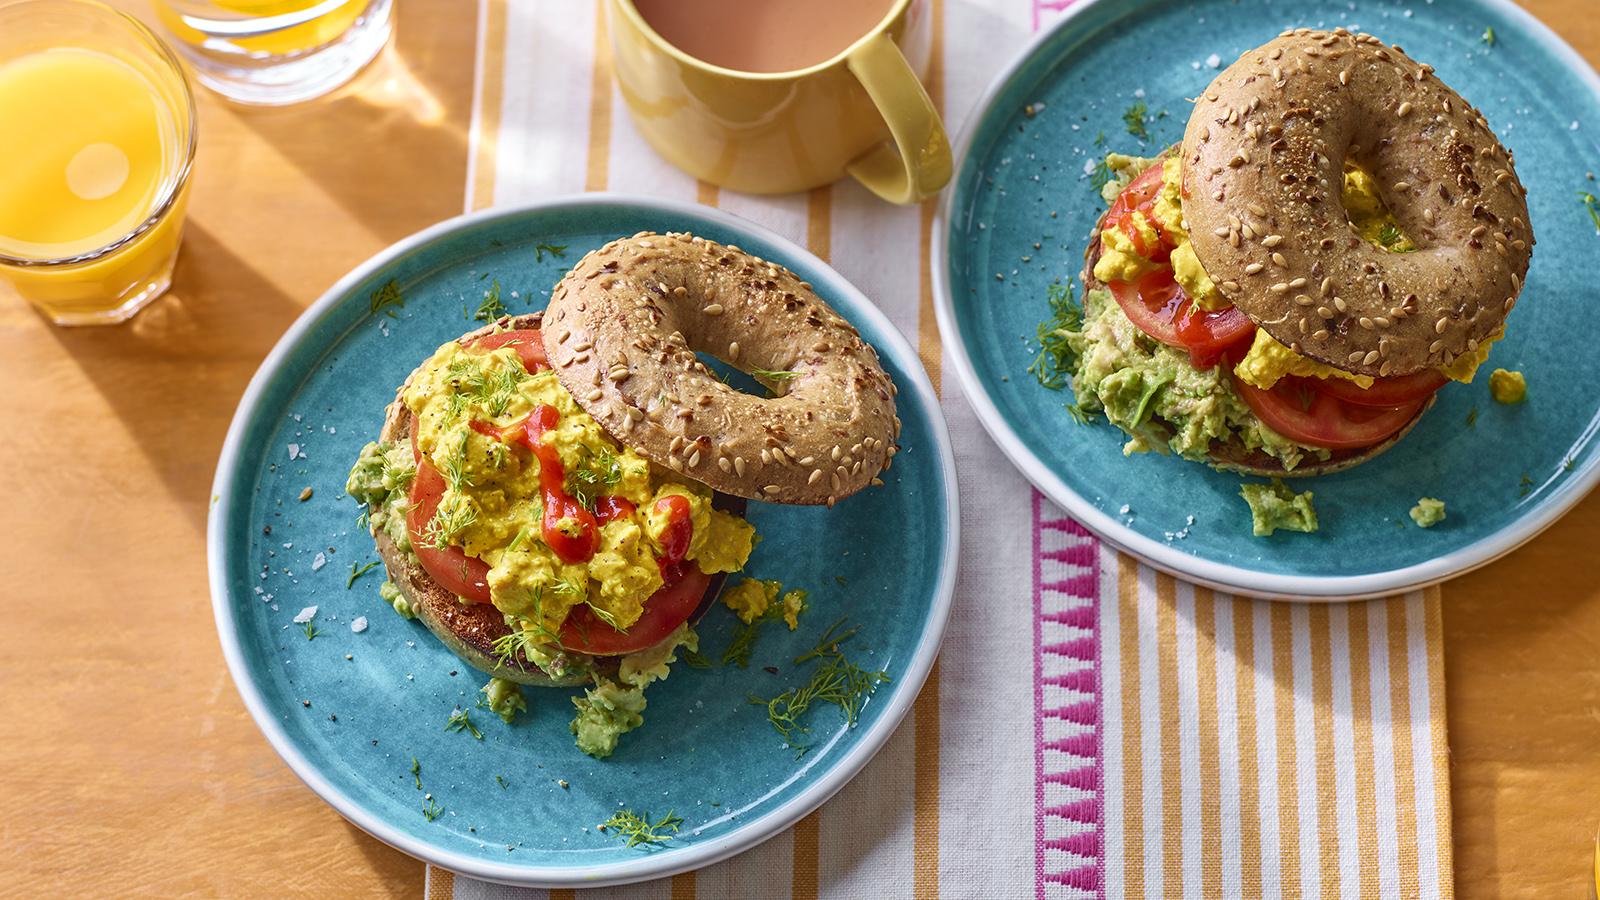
(559, 496)
(1338, 236)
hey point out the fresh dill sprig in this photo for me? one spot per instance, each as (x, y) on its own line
(416, 772)
(356, 572)
(361, 519)
(491, 308)
(1100, 139)
(606, 617)
(1133, 118)
(638, 829)
(1472, 417)
(1101, 175)
(1056, 360)
(501, 780)
(311, 629)
(1591, 204)
(840, 580)
(828, 644)
(1388, 236)
(694, 659)
(520, 640)
(541, 248)
(774, 376)
(461, 720)
(1488, 36)
(430, 809)
(387, 298)
(743, 643)
(1526, 485)
(838, 681)
(447, 523)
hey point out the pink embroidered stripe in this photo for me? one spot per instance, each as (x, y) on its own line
(1069, 803)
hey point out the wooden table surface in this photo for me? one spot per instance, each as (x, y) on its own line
(129, 762)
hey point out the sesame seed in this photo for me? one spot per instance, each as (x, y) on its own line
(1402, 186)
(1365, 322)
(1320, 334)
(738, 466)
(1302, 300)
(1327, 287)
(1356, 356)
(1324, 312)
(1404, 109)
(1338, 303)
(1272, 240)
(1297, 283)
(1253, 268)
(1280, 287)
(724, 464)
(1427, 215)
(814, 477)
(1371, 357)
(714, 309)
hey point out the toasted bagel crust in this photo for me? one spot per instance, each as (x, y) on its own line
(1233, 456)
(470, 629)
(622, 330)
(1264, 157)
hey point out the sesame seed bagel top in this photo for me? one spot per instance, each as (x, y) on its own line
(1264, 156)
(622, 331)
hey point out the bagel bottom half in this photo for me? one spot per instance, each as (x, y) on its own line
(471, 629)
(1232, 455)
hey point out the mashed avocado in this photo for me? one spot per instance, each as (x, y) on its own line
(1155, 393)
(394, 598)
(1428, 512)
(504, 699)
(379, 480)
(1275, 507)
(1507, 387)
(611, 709)
(493, 508)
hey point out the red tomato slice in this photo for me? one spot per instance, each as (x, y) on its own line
(666, 609)
(1388, 391)
(1140, 195)
(1158, 306)
(528, 343)
(1299, 410)
(460, 574)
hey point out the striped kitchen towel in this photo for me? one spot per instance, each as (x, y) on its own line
(1093, 728)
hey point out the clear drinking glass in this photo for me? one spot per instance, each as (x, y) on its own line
(99, 139)
(276, 52)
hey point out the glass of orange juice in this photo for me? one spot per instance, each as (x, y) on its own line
(99, 140)
(275, 52)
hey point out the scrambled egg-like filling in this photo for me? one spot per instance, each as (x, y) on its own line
(1267, 360)
(493, 503)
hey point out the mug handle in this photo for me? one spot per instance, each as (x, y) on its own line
(918, 164)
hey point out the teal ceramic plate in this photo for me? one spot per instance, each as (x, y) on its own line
(350, 711)
(1019, 215)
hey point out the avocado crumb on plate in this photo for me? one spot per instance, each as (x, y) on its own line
(1274, 506)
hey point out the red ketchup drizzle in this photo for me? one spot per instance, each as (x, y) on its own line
(558, 504)
(675, 537)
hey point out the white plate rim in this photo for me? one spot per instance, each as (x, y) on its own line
(908, 685)
(1222, 576)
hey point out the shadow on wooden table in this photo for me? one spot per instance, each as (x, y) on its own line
(396, 119)
(172, 372)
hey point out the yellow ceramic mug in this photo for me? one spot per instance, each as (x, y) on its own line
(864, 112)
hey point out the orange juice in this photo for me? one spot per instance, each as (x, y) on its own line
(92, 175)
(97, 151)
(291, 34)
